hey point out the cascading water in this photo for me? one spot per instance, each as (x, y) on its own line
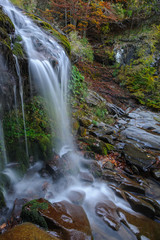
(22, 103)
(3, 155)
(44, 52)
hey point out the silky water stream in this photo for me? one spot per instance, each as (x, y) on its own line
(49, 69)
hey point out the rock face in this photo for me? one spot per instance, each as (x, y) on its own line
(140, 205)
(68, 220)
(8, 73)
(141, 226)
(109, 214)
(26, 231)
(138, 157)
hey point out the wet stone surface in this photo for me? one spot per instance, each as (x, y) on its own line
(68, 220)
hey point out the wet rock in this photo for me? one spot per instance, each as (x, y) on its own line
(138, 157)
(95, 169)
(122, 122)
(113, 109)
(108, 165)
(17, 208)
(111, 176)
(156, 174)
(107, 139)
(154, 203)
(95, 145)
(140, 205)
(128, 170)
(143, 227)
(85, 122)
(135, 169)
(86, 176)
(60, 166)
(86, 163)
(107, 210)
(119, 192)
(68, 220)
(27, 231)
(89, 155)
(130, 185)
(94, 99)
(76, 197)
(146, 139)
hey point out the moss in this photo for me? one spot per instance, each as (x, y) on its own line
(6, 27)
(46, 26)
(18, 49)
(109, 147)
(6, 23)
(27, 231)
(30, 212)
(38, 132)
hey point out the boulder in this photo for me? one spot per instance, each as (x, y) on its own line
(86, 176)
(68, 220)
(107, 210)
(140, 205)
(146, 139)
(154, 203)
(142, 226)
(131, 185)
(27, 231)
(138, 157)
(94, 99)
(76, 197)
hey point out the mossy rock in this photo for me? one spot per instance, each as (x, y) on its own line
(6, 23)
(30, 212)
(38, 131)
(18, 47)
(6, 28)
(47, 27)
(96, 145)
(27, 231)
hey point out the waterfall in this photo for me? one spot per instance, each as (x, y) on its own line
(49, 69)
(3, 155)
(22, 103)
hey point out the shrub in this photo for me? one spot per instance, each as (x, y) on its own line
(80, 47)
(77, 86)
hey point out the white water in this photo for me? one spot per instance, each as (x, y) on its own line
(3, 155)
(22, 103)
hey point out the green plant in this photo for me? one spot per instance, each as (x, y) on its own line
(38, 128)
(101, 112)
(141, 79)
(80, 47)
(30, 212)
(77, 85)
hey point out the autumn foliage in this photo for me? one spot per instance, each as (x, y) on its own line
(80, 14)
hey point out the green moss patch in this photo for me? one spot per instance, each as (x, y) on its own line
(30, 212)
(38, 131)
